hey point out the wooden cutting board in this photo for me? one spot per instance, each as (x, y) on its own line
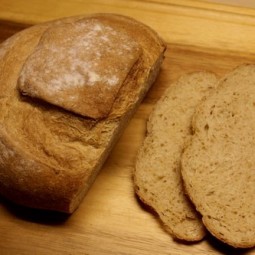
(111, 220)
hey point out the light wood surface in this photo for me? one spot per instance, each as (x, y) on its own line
(200, 35)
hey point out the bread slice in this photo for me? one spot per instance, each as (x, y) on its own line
(218, 166)
(157, 175)
(49, 155)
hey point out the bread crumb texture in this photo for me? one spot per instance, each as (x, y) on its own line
(157, 175)
(218, 167)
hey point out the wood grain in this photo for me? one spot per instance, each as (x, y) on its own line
(111, 220)
(180, 22)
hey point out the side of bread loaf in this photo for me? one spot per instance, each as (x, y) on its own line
(218, 166)
(157, 175)
(49, 157)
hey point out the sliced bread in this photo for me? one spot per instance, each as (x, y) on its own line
(218, 167)
(157, 176)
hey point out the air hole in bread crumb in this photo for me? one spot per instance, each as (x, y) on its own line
(206, 127)
(221, 234)
(210, 193)
(145, 190)
(212, 109)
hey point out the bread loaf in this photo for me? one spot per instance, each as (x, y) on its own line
(68, 89)
(218, 165)
(157, 175)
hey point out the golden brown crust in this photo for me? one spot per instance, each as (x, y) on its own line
(50, 157)
(80, 66)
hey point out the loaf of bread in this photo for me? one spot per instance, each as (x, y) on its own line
(157, 175)
(218, 167)
(68, 89)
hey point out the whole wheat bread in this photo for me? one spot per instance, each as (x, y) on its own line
(68, 89)
(218, 167)
(157, 174)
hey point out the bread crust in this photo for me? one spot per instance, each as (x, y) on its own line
(50, 157)
(92, 58)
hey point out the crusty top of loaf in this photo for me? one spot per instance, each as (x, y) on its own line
(52, 153)
(80, 66)
(218, 166)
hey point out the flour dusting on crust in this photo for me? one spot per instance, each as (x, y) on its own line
(80, 66)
